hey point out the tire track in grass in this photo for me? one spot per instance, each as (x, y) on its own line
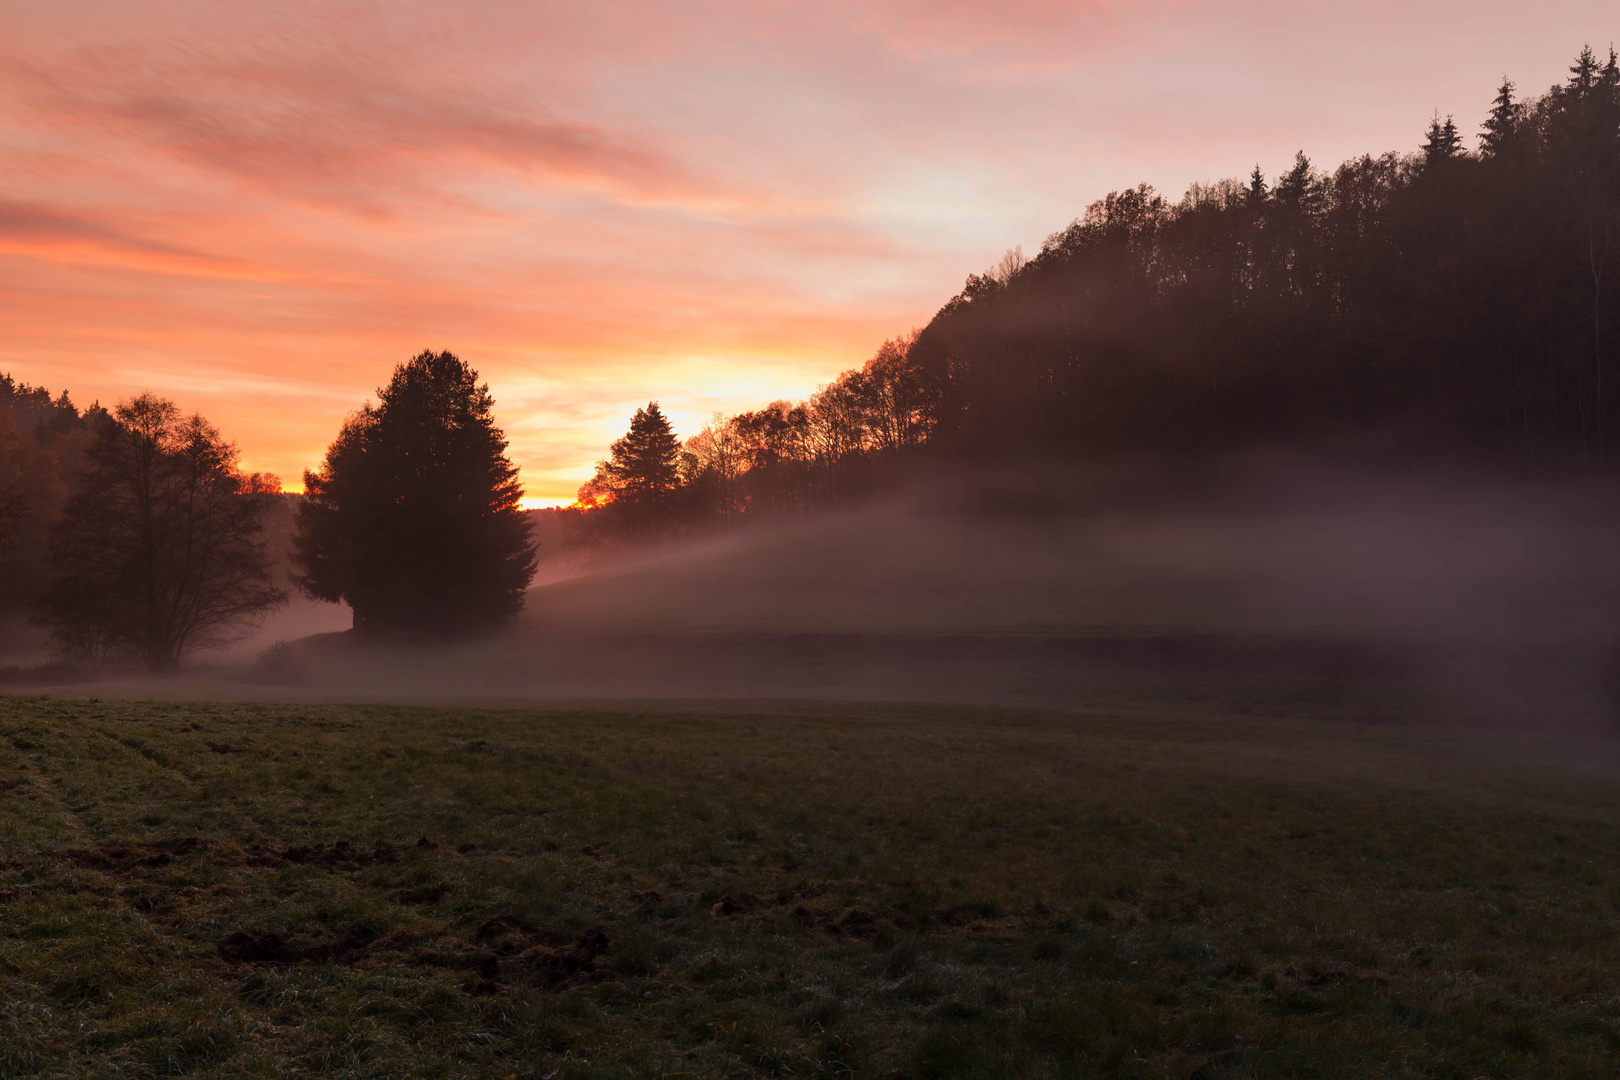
(103, 783)
(38, 910)
(115, 931)
(109, 784)
(165, 792)
(64, 926)
(34, 809)
(146, 782)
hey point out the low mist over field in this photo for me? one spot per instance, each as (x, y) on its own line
(1258, 586)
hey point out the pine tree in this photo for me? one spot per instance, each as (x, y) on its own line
(413, 520)
(639, 483)
(1298, 187)
(1255, 194)
(1443, 141)
(1583, 74)
(1452, 137)
(1503, 119)
(644, 464)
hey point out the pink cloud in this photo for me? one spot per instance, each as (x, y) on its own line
(42, 232)
(355, 130)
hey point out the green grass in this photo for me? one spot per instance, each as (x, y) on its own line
(871, 892)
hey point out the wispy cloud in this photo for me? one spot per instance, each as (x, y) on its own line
(337, 131)
(46, 233)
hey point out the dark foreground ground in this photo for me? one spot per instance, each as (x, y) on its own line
(264, 890)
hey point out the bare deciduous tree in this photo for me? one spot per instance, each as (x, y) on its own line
(161, 552)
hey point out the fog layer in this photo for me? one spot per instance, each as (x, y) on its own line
(1274, 590)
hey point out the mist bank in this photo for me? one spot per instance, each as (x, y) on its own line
(1250, 586)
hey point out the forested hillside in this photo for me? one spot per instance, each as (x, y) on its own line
(1472, 296)
(1465, 300)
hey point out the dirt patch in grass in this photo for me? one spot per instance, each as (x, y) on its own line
(340, 855)
(430, 895)
(117, 859)
(278, 947)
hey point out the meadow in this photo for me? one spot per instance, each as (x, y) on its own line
(736, 890)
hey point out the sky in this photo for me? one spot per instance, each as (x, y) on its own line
(258, 209)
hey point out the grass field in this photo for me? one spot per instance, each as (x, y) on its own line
(239, 890)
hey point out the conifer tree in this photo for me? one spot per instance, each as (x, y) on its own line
(413, 520)
(1297, 187)
(1583, 74)
(644, 464)
(1443, 141)
(639, 481)
(1255, 194)
(1503, 118)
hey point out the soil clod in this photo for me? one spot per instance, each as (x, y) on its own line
(339, 854)
(276, 947)
(271, 948)
(430, 895)
(515, 932)
(117, 859)
(735, 904)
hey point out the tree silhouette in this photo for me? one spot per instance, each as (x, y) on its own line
(1466, 307)
(1298, 188)
(43, 445)
(413, 519)
(712, 463)
(644, 464)
(1503, 118)
(161, 552)
(1442, 142)
(896, 396)
(1255, 193)
(1583, 74)
(639, 481)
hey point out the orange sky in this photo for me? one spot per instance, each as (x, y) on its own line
(257, 209)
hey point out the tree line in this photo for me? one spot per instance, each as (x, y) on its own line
(850, 438)
(134, 538)
(1468, 300)
(1467, 296)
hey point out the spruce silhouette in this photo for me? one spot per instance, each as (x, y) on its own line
(413, 520)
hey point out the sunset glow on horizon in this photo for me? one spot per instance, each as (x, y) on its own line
(258, 210)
